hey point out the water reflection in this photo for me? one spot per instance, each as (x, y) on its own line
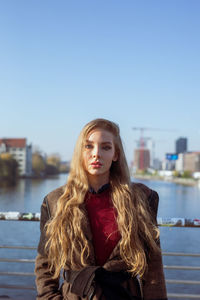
(28, 194)
(175, 200)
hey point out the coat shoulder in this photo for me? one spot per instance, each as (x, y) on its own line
(141, 187)
(151, 196)
(55, 193)
(51, 199)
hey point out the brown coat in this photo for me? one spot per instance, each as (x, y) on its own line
(153, 287)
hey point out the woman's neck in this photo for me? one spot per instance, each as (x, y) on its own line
(96, 182)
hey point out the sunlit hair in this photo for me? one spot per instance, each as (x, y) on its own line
(67, 244)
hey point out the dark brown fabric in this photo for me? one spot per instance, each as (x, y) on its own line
(81, 281)
(153, 283)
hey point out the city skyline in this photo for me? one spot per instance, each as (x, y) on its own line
(37, 148)
(135, 63)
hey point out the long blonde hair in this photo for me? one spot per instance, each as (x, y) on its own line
(67, 244)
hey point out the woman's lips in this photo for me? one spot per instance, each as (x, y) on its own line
(96, 164)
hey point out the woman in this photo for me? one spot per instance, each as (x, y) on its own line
(100, 229)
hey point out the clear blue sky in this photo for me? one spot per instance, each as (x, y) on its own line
(63, 63)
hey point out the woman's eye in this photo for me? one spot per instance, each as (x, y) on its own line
(88, 146)
(106, 148)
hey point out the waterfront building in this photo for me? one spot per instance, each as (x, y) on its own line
(141, 159)
(181, 145)
(180, 163)
(157, 164)
(170, 161)
(168, 165)
(150, 144)
(192, 162)
(20, 151)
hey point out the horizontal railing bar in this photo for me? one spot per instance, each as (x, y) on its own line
(22, 287)
(169, 222)
(181, 268)
(19, 260)
(17, 287)
(173, 295)
(16, 274)
(178, 222)
(182, 296)
(18, 247)
(169, 267)
(163, 253)
(18, 216)
(171, 281)
(180, 254)
(170, 295)
(182, 281)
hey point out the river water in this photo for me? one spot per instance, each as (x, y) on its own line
(27, 196)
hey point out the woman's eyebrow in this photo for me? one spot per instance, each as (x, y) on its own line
(106, 143)
(91, 142)
(87, 141)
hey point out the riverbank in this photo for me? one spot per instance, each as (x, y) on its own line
(182, 181)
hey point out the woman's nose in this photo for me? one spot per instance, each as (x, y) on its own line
(96, 152)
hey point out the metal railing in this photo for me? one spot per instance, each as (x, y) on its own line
(17, 260)
(176, 222)
(183, 282)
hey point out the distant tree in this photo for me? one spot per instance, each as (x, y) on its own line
(176, 174)
(64, 167)
(6, 156)
(8, 169)
(38, 164)
(52, 164)
(51, 170)
(186, 174)
(54, 160)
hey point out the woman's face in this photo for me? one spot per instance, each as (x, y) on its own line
(99, 152)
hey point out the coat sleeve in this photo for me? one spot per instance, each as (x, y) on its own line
(47, 288)
(154, 283)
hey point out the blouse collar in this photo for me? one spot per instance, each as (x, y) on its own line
(102, 189)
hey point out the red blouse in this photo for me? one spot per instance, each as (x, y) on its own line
(102, 217)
